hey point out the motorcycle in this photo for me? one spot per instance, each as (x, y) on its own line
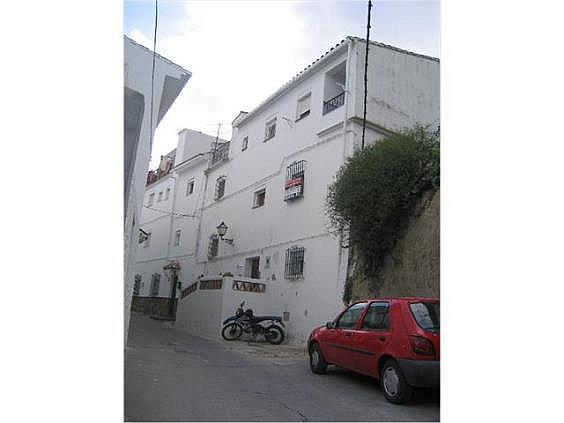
(244, 321)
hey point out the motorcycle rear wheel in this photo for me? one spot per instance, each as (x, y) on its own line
(274, 334)
(232, 331)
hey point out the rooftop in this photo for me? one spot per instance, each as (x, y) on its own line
(325, 56)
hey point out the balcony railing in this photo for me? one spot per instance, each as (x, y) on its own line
(220, 153)
(333, 103)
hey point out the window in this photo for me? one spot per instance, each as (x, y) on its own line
(151, 199)
(190, 187)
(147, 240)
(137, 285)
(252, 267)
(259, 197)
(177, 238)
(294, 186)
(294, 268)
(377, 317)
(304, 106)
(349, 318)
(245, 144)
(427, 315)
(270, 129)
(160, 198)
(220, 187)
(167, 193)
(213, 246)
(155, 284)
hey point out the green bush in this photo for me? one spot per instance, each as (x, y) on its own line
(376, 189)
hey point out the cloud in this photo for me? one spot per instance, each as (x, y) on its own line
(238, 53)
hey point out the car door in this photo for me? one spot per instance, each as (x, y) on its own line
(372, 337)
(340, 339)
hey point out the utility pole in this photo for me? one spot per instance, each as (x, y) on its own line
(366, 71)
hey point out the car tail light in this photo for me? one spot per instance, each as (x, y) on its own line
(421, 345)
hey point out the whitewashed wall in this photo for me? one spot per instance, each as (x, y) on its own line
(138, 77)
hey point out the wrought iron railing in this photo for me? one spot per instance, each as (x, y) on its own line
(220, 153)
(334, 103)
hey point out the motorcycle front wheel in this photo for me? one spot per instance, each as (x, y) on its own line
(274, 334)
(232, 331)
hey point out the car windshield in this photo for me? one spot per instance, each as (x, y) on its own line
(427, 315)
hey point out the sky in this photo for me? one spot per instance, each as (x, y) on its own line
(240, 52)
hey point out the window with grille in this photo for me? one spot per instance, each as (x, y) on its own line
(294, 268)
(190, 187)
(213, 246)
(270, 129)
(151, 199)
(245, 144)
(304, 106)
(294, 186)
(167, 193)
(160, 198)
(220, 187)
(155, 284)
(177, 238)
(137, 285)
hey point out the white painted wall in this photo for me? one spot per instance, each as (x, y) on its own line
(169, 79)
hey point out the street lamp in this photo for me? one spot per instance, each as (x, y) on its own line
(221, 231)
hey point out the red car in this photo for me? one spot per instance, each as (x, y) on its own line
(396, 340)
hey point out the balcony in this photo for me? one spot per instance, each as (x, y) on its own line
(334, 103)
(220, 153)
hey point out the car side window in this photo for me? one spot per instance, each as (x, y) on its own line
(349, 318)
(377, 317)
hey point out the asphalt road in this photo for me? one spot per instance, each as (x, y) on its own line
(173, 376)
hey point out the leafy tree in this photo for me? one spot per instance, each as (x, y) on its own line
(377, 188)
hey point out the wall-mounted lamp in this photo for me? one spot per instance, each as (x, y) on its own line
(221, 231)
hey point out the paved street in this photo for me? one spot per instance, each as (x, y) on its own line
(173, 376)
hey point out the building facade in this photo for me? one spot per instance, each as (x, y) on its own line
(266, 188)
(147, 97)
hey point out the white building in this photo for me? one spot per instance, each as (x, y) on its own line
(177, 185)
(141, 117)
(269, 188)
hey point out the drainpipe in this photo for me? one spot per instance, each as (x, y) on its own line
(172, 278)
(199, 229)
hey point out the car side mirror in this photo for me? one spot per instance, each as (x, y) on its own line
(330, 325)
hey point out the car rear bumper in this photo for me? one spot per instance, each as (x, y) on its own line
(421, 373)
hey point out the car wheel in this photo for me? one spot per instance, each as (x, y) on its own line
(394, 384)
(317, 362)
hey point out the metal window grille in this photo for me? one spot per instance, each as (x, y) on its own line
(220, 187)
(167, 193)
(137, 285)
(155, 284)
(177, 238)
(294, 186)
(221, 153)
(213, 246)
(245, 143)
(294, 268)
